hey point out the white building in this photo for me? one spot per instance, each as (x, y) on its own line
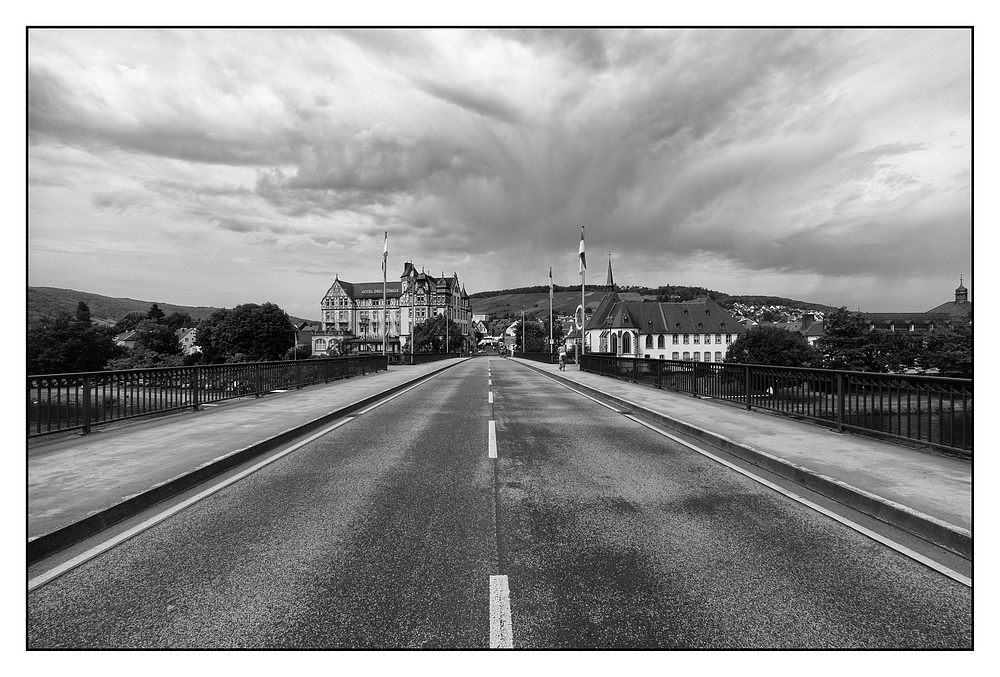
(699, 330)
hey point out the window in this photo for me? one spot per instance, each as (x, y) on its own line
(686, 339)
(718, 338)
(675, 356)
(697, 357)
(614, 344)
(708, 356)
(708, 339)
(718, 356)
(697, 339)
(626, 343)
(729, 338)
(320, 344)
(649, 341)
(673, 339)
(660, 342)
(687, 355)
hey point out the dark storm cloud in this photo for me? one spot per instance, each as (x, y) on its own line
(793, 151)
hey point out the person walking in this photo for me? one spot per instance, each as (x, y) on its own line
(562, 359)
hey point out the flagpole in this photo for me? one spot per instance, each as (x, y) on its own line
(385, 308)
(551, 341)
(583, 300)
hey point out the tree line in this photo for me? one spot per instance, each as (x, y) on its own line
(848, 343)
(73, 342)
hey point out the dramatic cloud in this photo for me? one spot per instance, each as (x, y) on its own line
(218, 167)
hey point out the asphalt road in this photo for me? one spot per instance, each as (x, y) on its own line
(386, 533)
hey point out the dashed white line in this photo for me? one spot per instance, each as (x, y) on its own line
(501, 635)
(491, 397)
(493, 439)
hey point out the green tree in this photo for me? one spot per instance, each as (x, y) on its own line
(773, 346)
(248, 332)
(67, 343)
(143, 358)
(429, 336)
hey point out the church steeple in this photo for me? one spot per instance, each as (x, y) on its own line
(961, 294)
(611, 277)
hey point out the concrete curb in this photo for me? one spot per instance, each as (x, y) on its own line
(954, 538)
(43, 546)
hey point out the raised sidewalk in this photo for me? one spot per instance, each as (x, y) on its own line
(78, 485)
(923, 492)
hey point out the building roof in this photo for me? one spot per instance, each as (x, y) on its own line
(699, 316)
(369, 290)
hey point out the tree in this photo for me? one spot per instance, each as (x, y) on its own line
(849, 343)
(248, 332)
(157, 338)
(129, 322)
(65, 343)
(429, 336)
(774, 346)
(950, 351)
(143, 358)
(179, 321)
(536, 335)
(156, 314)
(83, 314)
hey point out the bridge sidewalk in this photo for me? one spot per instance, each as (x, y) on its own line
(922, 492)
(79, 484)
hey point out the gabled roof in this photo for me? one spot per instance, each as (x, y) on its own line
(699, 316)
(368, 290)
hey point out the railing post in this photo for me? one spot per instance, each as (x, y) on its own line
(259, 378)
(694, 379)
(746, 386)
(635, 370)
(659, 374)
(195, 390)
(841, 400)
(86, 405)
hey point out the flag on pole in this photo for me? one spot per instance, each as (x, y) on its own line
(385, 254)
(583, 255)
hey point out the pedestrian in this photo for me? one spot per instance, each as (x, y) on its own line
(562, 359)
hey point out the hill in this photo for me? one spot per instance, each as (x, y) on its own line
(103, 309)
(508, 302)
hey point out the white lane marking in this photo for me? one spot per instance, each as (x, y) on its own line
(965, 580)
(493, 439)
(501, 635)
(491, 397)
(156, 519)
(489, 382)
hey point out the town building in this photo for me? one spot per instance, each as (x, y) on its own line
(699, 330)
(939, 317)
(354, 317)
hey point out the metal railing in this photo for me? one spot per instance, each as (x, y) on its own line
(928, 410)
(63, 402)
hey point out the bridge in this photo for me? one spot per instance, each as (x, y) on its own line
(493, 502)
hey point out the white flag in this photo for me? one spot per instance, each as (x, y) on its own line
(385, 254)
(583, 255)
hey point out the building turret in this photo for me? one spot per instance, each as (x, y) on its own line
(961, 294)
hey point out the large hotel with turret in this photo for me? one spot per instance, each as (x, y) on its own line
(354, 317)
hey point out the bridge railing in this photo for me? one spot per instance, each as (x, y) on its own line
(929, 410)
(78, 401)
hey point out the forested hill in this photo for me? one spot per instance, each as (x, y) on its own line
(504, 301)
(104, 309)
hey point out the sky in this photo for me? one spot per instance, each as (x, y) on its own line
(220, 167)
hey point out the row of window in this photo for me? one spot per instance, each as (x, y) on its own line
(696, 358)
(675, 338)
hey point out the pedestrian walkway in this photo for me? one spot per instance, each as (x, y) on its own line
(84, 476)
(921, 491)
